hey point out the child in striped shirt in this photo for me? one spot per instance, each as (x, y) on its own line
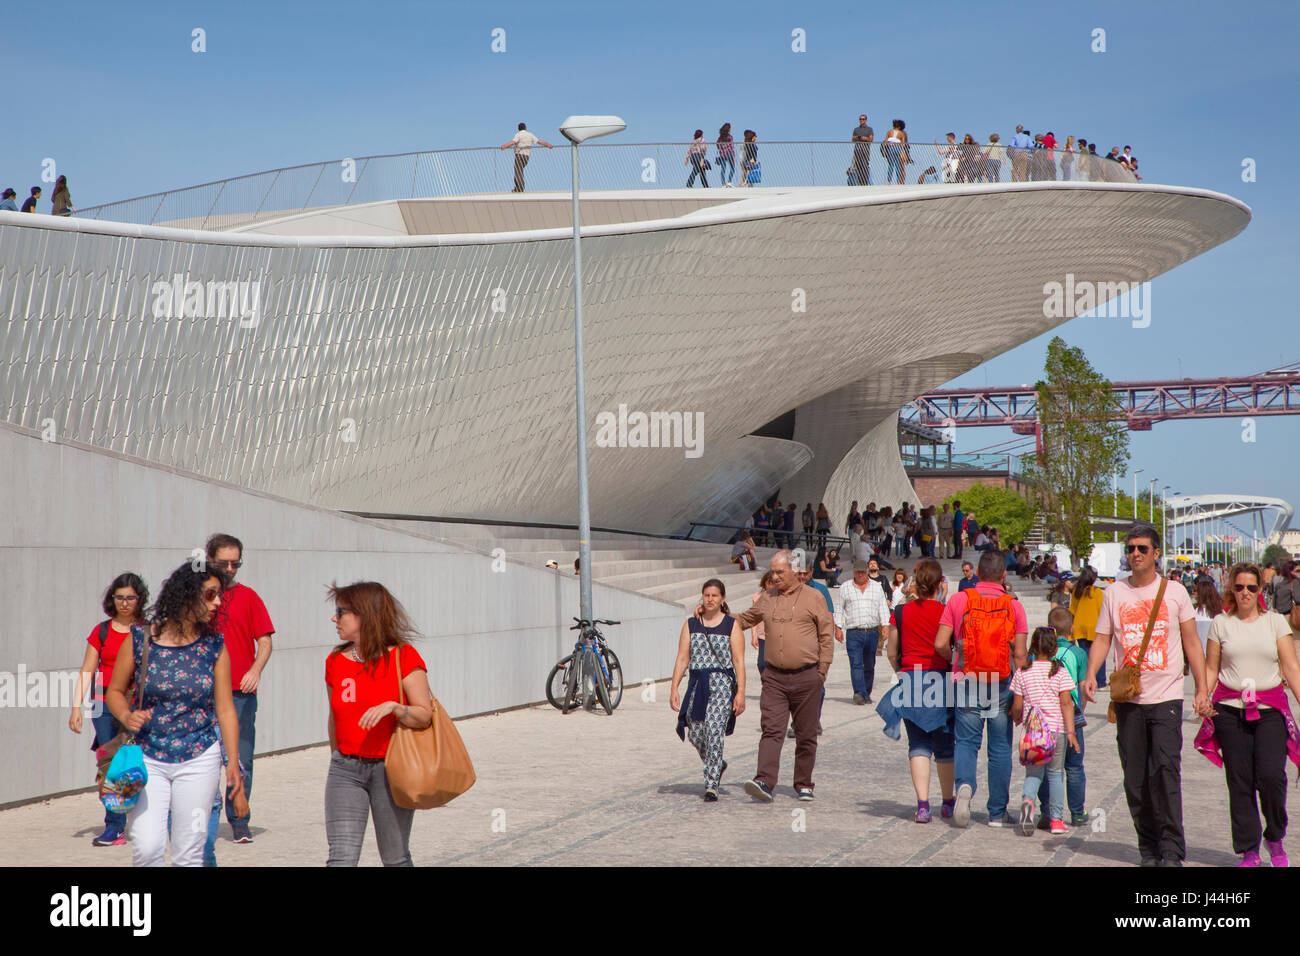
(1046, 684)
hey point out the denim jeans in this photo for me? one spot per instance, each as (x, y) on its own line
(969, 732)
(246, 713)
(1076, 782)
(762, 659)
(726, 168)
(1086, 644)
(861, 644)
(357, 788)
(106, 728)
(1052, 776)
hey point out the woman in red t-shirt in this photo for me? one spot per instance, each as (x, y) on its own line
(124, 603)
(361, 677)
(911, 650)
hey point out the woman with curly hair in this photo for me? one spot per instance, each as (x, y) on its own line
(186, 704)
(361, 674)
(124, 603)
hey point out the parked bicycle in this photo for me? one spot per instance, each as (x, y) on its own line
(589, 675)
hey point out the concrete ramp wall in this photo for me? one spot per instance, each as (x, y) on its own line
(74, 517)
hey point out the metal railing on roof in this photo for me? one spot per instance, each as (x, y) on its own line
(257, 197)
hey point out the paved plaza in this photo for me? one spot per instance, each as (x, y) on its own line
(588, 789)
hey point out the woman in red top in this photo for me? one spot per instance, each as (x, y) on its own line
(124, 603)
(362, 680)
(911, 648)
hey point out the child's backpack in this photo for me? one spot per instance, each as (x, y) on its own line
(1038, 745)
(988, 627)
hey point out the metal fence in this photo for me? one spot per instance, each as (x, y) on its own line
(244, 200)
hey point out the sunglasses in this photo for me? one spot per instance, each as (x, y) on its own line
(229, 565)
(1139, 548)
(1252, 588)
(340, 611)
(210, 594)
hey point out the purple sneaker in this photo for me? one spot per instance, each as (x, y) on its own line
(1249, 858)
(945, 811)
(922, 813)
(1276, 853)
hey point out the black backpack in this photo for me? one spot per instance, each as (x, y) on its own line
(1283, 595)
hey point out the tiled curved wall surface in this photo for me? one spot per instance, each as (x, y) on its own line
(461, 410)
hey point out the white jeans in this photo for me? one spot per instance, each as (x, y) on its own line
(185, 790)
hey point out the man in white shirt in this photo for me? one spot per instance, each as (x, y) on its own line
(523, 142)
(863, 614)
(859, 545)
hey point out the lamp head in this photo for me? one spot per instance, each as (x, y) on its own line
(579, 129)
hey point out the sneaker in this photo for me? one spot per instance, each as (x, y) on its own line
(723, 770)
(758, 790)
(922, 815)
(945, 811)
(790, 733)
(1058, 826)
(961, 807)
(1043, 822)
(109, 837)
(1079, 820)
(1276, 853)
(241, 833)
(710, 796)
(999, 823)
(1027, 818)
(806, 794)
(859, 699)
(1149, 861)
(1166, 861)
(867, 699)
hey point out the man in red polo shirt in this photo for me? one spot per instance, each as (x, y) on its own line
(245, 624)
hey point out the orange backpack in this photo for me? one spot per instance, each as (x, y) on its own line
(988, 627)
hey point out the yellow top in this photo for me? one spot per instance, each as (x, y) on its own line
(1086, 611)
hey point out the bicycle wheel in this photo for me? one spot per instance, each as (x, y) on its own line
(572, 684)
(615, 681)
(590, 667)
(602, 689)
(557, 683)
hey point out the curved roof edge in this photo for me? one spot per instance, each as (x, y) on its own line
(767, 204)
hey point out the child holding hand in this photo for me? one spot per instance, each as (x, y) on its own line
(1042, 700)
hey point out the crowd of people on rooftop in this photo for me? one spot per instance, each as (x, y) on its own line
(60, 200)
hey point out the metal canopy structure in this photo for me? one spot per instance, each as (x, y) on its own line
(1207, 519)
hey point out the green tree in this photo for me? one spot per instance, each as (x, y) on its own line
(1275, 553)
(999, 508)
(1082, 444)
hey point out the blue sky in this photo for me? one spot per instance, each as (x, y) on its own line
(114, 93)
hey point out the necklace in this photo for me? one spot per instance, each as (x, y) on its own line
(356, 656)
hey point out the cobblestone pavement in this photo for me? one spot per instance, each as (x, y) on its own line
(587, 789)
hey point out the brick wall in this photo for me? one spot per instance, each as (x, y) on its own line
(934, 488)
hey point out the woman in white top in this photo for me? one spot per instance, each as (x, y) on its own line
(1249, 652)
(894, 149)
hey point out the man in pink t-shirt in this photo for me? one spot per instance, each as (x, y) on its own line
(1149, 728)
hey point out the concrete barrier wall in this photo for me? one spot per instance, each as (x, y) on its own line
(75, 517)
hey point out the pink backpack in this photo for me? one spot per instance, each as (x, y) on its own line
(1038, 745)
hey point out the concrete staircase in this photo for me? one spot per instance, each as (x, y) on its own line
(666, 569)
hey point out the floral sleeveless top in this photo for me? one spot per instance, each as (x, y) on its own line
(180, 690)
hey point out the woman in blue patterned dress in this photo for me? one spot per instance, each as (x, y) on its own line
(714, 649)
(186, 699)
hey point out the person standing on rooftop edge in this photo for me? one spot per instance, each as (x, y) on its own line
(523, 142)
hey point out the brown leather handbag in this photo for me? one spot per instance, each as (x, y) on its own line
(430, 767)
(1126, 682)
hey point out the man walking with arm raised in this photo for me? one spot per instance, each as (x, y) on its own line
(1155, 624)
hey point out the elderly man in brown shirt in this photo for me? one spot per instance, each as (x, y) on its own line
(800, 636)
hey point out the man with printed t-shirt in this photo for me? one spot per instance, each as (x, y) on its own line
(983, 631)
(243, 621)
(1149, 728)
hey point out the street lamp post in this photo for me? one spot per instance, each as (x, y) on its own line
(577, 130)
(1151, 500)
(1164, 518)
(1114, 508)
(1135, 492)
